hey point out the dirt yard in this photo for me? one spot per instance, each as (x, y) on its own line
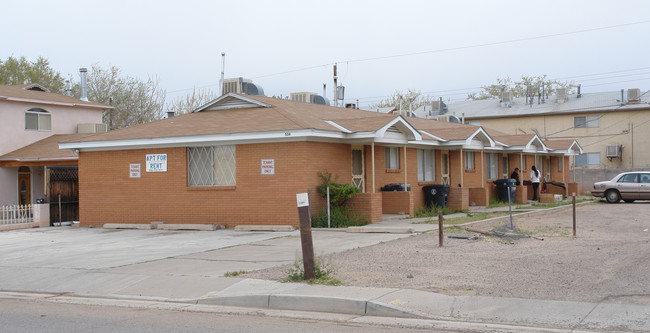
(609, 261)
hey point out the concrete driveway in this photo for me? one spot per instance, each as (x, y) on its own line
(157, 263)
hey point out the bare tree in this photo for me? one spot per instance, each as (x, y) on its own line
(519, 88)
(411, 99)
(191, 102)
(134, 101)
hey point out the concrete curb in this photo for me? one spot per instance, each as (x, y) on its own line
(310, 303)
(378, 229)
(277, 228)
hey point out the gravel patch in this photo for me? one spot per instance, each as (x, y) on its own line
(609, 261)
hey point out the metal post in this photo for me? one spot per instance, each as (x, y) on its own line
(328, 207)
(305, 236)
(510, 207)
(440, 238)
(59, 207)
(574, 214)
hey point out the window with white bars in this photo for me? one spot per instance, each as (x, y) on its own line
(211, 166)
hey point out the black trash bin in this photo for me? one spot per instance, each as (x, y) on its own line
(505, 185)
(399, 187)
(436, 194)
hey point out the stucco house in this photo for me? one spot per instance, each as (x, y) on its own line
(611, 127)
(33, 121)
(242, 159)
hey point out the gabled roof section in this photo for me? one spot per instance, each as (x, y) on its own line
(567, 147)
(481, 135)
(37, 94)
(401, 125)
(232, 101)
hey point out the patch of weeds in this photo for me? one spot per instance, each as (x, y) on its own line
(410, 276)
(232, 274)
(432, 211)
(324, 271)
(340, 217)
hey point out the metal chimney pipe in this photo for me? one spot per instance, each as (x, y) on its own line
(68, 88)
(622, 96)
(83, 71)
(223, 65)
(325, 90)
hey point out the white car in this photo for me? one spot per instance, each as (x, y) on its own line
(628, 186)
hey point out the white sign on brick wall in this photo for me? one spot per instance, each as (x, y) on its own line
(268, 167)
(156, 162)
(134, 170)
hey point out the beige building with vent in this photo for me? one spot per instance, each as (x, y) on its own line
(613, 128)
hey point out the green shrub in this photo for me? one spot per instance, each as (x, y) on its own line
(340, 217)
(339, 193)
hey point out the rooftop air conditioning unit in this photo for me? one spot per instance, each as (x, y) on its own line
(235, 85)
(634, 95)
(448, 118)
(560, 94)
(92, 128)
(304, 97)
(506, 97)
(613, 151)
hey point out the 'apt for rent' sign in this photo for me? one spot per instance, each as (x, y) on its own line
(156, 162)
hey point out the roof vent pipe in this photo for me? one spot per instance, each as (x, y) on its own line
(622, 96)
(68, 88)
(325, 90)
(83, 71)
(579, 94)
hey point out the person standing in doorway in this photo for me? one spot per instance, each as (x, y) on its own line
(515, 176)
(534, 178)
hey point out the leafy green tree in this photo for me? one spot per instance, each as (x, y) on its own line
(191, 102)
(134, 101)
(17, 71)
(408, 100)
(519, 88)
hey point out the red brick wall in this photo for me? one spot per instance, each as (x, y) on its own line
(458, 198)
(394, 202)
(108, 195)
(479, 196)
(369, 204)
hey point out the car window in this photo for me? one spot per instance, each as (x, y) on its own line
(645, 178)
(629, 178)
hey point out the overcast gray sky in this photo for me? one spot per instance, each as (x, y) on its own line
(442, 48)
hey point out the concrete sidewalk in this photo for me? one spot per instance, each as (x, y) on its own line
(141, 265)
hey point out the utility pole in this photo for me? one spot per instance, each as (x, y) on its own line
(336, 95)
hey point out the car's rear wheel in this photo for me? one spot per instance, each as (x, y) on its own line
(612, 196)
(628, 200)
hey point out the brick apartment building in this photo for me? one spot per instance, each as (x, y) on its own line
(242, 159)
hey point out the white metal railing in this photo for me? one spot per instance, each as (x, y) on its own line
(16, 214)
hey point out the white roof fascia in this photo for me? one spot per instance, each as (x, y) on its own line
(400, 122)
(246, 103)
(433, 136)
(40, 159)
(480, 130)
(185, 141)
(343, 129)
(572, 151)
(37, 101)
(529, 145)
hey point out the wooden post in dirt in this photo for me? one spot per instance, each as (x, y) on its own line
(574, 214)
(305, 236)
(440, 238)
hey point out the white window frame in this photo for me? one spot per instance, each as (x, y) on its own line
(586, 121)
(587, 159)
(426, 165)
(392, 158)
(492, 165)
(43, 120)
(211, 166)
(469, 160)
(504, 166)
